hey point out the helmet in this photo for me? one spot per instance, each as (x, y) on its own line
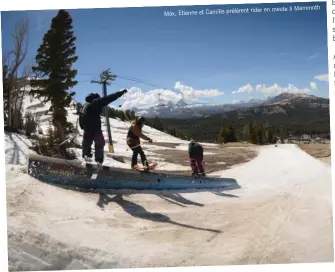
(140, 121)
(91, 96)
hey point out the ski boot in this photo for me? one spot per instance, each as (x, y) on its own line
(99, 165)
(88, 159)
(197, 175)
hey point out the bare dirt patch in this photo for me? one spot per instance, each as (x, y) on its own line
(210, 146)
(319, 151)
(169, 145)
(225, 156)
(238, 144)
(316, 150)
(326, 160)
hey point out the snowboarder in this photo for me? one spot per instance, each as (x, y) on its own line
(133, 141)
(196, 155)
(90, 122)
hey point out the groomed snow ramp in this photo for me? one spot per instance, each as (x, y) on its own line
(71, 173)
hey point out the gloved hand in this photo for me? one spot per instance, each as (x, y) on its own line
(150, 140)
(124, 91)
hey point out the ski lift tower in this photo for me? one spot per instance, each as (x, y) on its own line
(105, 78)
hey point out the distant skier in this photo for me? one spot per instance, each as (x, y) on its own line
(196, 155)
(90, 122)
(133, 141)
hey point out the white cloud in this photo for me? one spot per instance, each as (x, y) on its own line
(323, 77)
(192, 94)
(244, 89)
(314, 86)
(276, 89)
(137, 98)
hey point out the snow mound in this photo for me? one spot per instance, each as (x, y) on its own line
(268, 220)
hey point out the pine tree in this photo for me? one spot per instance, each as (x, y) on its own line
(5, 91)
(128, 114)
(231, 135)
(132, 115)
(79, 107)
(253, 132)
(271, 138)
(122, 115)
(111, 113)
(261, 134)
(30, 124)
(158, 124)
(54, 72)
(222, 134)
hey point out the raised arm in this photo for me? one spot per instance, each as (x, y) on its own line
(104, 101)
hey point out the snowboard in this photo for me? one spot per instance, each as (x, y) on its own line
(92, 165)
(199, 175)
(140, 167)
(89, 163)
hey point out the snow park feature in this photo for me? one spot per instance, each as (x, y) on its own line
(72, 173)
(264, 199)
(254, 206)
(266, 220)
(250, 209)
(262, 216)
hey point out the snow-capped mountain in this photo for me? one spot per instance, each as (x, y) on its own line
(183, 110)
(181, 103)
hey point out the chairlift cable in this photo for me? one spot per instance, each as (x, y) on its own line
(140, 81)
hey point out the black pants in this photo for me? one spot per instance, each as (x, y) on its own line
(98, 138)
(138, 150)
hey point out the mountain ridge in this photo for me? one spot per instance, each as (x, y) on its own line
(182, 110)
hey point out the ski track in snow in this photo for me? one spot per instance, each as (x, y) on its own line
(281, 214)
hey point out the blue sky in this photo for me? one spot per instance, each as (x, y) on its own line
(210, 59)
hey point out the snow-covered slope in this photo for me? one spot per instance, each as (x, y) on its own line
(40, 110)
(16, 149)
(267, 221)
(14, 153)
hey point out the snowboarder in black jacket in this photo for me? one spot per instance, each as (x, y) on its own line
(90, 122)
(196, 155)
